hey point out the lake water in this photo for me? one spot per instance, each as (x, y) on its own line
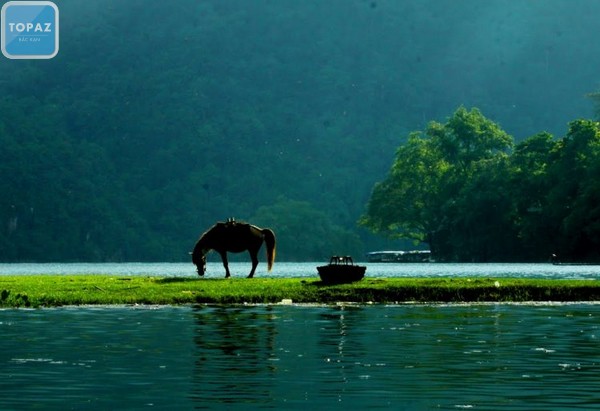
(402, 357)
(287, 269)
(418, 357)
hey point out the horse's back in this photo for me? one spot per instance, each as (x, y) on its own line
(235, 236)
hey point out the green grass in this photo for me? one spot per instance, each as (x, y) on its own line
(55, 290)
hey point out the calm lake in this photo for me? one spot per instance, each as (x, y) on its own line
(484, 357)
(400, 357)
(286, 269)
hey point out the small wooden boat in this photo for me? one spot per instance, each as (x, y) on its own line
(341, 269)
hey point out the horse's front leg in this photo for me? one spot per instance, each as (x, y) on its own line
(225, 263)
(254, 258)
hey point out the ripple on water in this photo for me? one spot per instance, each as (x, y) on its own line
(292, 270)
(255, 357)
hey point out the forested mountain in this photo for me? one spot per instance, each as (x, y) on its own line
(158, 118)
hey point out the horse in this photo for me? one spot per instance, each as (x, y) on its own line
(235, 237)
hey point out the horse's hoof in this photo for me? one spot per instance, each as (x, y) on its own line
(250, 276)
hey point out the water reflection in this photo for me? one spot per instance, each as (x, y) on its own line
(234, 356)
(484, 357)
(285, 357)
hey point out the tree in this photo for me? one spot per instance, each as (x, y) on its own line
(405, 204)
(573, 203)
(529, 187)
(426, 193)
(482, 224)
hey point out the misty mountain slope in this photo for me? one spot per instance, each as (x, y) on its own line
(156, 119)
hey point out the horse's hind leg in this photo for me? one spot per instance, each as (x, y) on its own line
(254, 258)
(225, 263)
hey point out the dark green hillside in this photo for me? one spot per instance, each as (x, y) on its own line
(158, 118)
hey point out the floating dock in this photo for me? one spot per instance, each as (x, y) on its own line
(413, 256)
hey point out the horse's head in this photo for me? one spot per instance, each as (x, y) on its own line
(199, 260)
(201, 266)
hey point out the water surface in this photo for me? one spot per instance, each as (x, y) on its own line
(490, 357)
(287, 270)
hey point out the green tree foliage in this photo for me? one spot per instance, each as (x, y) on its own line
(573, 198)
(529, 188)
(462, 189)
(436, 182)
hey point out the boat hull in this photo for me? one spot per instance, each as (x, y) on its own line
(338, 274)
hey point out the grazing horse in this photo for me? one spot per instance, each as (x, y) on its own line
(234, 237)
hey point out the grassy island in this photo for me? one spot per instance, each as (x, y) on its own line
(57, 290)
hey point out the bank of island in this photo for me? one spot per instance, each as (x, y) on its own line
(38, 291)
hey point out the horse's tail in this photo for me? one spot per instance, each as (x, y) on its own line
(270, 241)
